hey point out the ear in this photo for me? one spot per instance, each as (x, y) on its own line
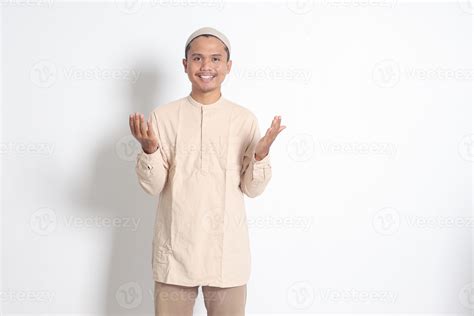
(185, 65)
(229, 65)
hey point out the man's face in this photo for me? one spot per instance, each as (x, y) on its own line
(206, 63)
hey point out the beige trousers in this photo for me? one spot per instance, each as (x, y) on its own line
(177, 300)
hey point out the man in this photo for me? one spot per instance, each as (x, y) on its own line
(201, 154)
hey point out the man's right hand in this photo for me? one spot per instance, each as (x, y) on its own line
(143, 132)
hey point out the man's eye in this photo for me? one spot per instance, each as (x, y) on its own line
(216, 59)
(196, 58)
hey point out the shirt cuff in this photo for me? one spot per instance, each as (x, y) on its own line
(261, 163)
(150, 158)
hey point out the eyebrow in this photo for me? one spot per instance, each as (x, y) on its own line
(197, 54)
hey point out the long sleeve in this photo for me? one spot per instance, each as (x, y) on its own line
(255, 174)
(152, 169)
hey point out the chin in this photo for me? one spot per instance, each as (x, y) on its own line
(206, 88)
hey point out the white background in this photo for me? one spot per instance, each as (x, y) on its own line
(369, 208)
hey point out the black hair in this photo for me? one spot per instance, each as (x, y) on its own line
(206, 35)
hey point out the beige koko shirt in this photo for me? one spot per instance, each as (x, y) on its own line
(203, 167)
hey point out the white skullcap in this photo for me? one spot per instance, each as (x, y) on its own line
(209, 31)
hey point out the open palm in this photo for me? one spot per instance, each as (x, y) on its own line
(263, 146)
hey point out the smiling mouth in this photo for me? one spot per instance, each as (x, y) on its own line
(206, 78)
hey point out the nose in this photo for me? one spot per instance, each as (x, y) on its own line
(205, 64)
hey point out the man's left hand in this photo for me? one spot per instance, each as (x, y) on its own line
(263, 146)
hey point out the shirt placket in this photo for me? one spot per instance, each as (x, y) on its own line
(204, 153)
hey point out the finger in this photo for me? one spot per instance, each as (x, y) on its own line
(136, 121)
(130, 123)
(143, 125)
(273, 122)
(151, 132)
(267, 133)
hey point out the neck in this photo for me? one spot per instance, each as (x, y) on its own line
(206, 97)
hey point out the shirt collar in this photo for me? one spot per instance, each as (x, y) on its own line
(219, 103)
